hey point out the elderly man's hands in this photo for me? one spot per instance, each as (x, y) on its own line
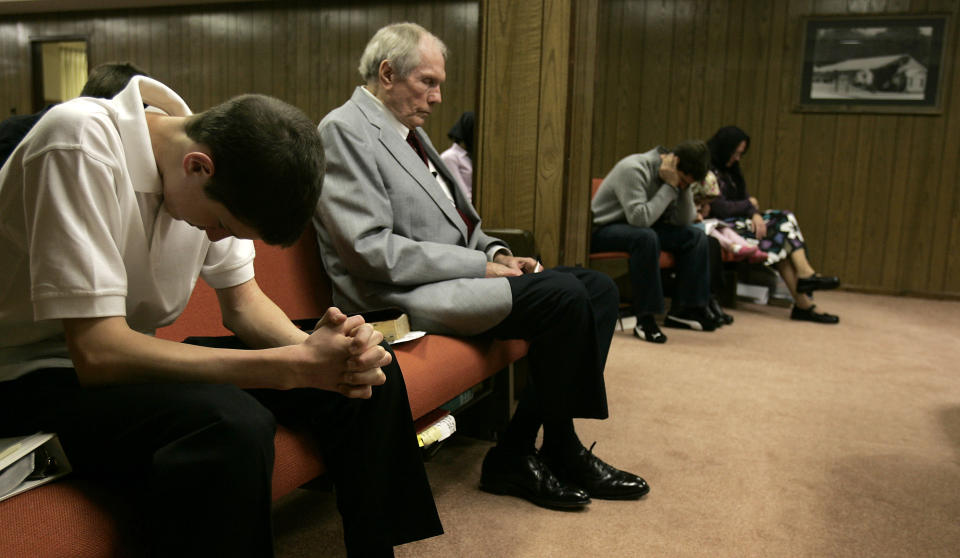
(511, 266)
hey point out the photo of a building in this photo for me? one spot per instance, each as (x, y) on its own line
(897, 76)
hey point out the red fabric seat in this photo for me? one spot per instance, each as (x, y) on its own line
(666, 258)
(70, 518)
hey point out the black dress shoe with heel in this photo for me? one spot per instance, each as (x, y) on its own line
(598, 479)
(811, 315)
(525, 475)
(816, 282)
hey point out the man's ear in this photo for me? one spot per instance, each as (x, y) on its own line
(387, 74)
(198, 163)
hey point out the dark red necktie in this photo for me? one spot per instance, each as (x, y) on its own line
(414, 142)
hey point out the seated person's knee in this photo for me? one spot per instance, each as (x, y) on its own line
(644, 238)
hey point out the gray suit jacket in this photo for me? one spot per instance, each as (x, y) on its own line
(634, 193)
(389, 236)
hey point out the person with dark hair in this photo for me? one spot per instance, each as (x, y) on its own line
(394, 230)
(459, 156)
(777, 231)
(104, 81)
(261, 159)
(109, 213)
(645, 205)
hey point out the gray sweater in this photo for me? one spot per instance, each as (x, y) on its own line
(634, 193)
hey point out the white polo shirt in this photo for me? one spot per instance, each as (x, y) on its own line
(84, 232)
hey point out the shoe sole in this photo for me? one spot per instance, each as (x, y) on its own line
(625, 496)
(816, 321)
(682, 323)
(519, 492)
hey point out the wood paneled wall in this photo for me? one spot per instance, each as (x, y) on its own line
(522, 123)
(537, 62)
(877, 196)
(305, 53)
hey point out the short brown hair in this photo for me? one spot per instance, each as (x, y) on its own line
(268, 163)
(693, 158)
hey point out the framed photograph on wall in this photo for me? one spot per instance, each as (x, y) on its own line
(878, 64)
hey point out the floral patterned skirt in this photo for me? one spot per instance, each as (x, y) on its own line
(783, 234)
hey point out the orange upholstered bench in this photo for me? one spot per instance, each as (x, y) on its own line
(615, 264)
(72, 518)
(601, 258)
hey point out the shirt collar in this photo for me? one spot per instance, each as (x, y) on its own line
(392, 121)
(132, 125)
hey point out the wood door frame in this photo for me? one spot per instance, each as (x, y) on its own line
(36, 64)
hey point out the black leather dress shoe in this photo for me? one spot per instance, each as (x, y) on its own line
(811, 315)
(526, 476)
(717, 310)
(817, 283)
(717, 320)
(598, 479)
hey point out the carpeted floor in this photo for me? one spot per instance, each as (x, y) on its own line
(765, 438)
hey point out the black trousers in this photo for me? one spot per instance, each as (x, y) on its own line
(691, 253)
(716, 266)
(199, 457)
(568, 314)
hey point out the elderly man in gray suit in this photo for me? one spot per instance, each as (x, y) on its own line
(395, 230)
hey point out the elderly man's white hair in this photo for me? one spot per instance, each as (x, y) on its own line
(399, 43)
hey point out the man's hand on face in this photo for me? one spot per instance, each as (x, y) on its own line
(668, 170)
(344, 355)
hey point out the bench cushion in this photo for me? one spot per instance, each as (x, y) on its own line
(74, 518)
(436, 368)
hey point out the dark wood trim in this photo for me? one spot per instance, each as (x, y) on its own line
(36, 63)
(583, 71)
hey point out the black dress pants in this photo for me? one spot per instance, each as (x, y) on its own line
(716, 266)
(568, 314)
(199, 457)
(690, 249)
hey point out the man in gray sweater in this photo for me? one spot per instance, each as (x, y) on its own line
(644, 205)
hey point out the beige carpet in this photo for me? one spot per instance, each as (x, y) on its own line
(765, 438)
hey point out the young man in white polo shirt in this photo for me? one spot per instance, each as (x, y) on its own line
(108, 215)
